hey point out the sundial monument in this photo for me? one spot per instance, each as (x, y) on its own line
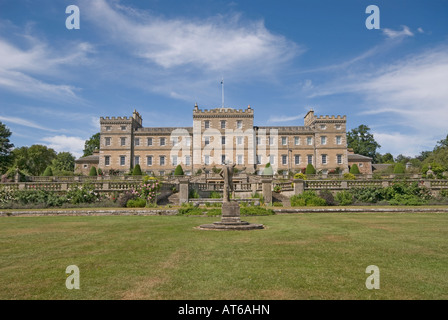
(230, 219)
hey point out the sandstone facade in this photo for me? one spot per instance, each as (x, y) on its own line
(223, 135)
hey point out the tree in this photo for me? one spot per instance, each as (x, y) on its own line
(384, 158)
(92, 172)
(137, 171)
(362, 142)
(310, 169)
(5, 148)
(402, 159)
(91, 144)
(48, 172)
(179, 171)
(442, 144)
(34, 159)
(354, 169)
(63, 163)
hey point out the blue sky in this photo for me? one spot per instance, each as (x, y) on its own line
(280, 57)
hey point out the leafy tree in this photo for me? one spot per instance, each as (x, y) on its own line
(310, 169)
(442, 144)
(362, 142)
(92, 172)
(34, 159)
(63, 162)
(423, 155)
(91, 144)
(384, 158)
(5, 148)
(354, 169)
(48, 172)
(402, 159)
(179, 171)
(137, 171)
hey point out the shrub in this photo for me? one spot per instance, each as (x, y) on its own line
(178, 171)
(277, 189)
(82, 194)
(199, 172)
(307, 198)
(277, 204)
(189, 209)
(48, 172)
(215, 195)
(354, 169)
(39, 197)
(100, 172)
(255, 195)
(344, 198)
(443, 193)
(256, 211)
(407, 200)
(193, 194)
(267, 171)
(7, 195)
(399, 168)
(136, 203)
(300, 175)
(310, 169)
(125, 197)
(368, 194)
(349, 176)
(137, 171)
(92, 172)
(327, 196)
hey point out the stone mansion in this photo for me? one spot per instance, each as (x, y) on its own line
(219, 136)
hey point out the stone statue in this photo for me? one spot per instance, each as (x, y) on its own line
(227, 174)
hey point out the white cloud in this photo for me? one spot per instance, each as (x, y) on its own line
(63, 143)
(24, 122)
(393, 34)
(409, 94)
(398, 143)
(21, 69)
(218, 43)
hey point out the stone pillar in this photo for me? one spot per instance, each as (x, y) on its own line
(299, 186)
(385, 184)
(64, 186)
(22, 186)
(344, 185)
(183, 190)
(267, 190)
(17, 176)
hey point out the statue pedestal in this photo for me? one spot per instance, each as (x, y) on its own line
(231, 220)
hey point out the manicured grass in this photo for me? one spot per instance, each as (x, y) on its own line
(298, 256)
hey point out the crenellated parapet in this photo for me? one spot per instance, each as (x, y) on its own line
(311, 119)
(222, 113)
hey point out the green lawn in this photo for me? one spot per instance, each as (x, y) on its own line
(298, 256)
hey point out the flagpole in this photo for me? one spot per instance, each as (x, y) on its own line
(222, 88)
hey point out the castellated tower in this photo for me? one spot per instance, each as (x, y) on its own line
(117, 141)
(223, 135)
